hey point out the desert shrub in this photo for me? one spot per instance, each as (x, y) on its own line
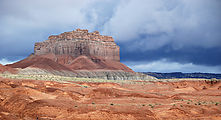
(190, 100)
(152, 106)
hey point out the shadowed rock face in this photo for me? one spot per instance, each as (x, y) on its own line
(79, 42)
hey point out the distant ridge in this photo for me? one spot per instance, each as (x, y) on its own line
(183, 75)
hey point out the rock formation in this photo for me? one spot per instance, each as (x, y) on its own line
(80, 54)
(79, 42)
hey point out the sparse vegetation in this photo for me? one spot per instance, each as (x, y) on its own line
(152, 106)
(190, 100)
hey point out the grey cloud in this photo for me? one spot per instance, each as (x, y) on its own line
(180, 23)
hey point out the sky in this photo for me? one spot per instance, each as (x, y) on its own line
(153, 35)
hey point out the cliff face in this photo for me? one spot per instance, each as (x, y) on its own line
(79, 42)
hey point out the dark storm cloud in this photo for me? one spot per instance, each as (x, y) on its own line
(198, 55)
(161, 31)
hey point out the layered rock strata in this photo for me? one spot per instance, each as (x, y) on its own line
(79, 42)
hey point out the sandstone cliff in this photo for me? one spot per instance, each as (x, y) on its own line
(79, 42)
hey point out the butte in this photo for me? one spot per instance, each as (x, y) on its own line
(79, 54)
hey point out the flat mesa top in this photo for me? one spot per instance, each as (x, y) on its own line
(81, 34)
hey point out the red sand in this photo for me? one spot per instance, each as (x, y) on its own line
(184, 100)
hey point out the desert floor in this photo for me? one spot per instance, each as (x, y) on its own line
(67, 99)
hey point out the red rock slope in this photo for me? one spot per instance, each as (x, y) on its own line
(38, 62)
(7, 69)
(68, 63)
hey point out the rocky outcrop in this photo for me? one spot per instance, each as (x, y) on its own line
(79, 42)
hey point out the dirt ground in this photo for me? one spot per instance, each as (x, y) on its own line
(48, 100)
